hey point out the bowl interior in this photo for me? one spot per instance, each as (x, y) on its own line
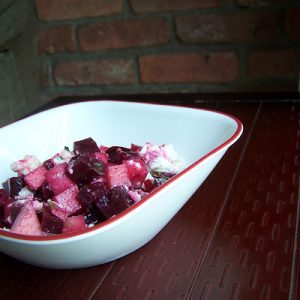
(193, 132)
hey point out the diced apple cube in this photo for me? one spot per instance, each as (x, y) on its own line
(73, 224)
(27, 222)
(117, 175)
(61, 184)
(57, 179)
(67, 200)
(35, 178)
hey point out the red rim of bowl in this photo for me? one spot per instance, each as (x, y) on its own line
(64, 236)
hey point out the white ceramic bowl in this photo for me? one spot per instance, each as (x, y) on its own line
(201, 137)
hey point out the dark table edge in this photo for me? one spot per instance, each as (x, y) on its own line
(177, 98)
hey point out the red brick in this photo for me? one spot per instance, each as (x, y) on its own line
(293, 23)
(273, 63)
(110, 71)
(124, 34)
(145, 6)
(228, 28)
(58, 39)
(74, 9)
(189, 67)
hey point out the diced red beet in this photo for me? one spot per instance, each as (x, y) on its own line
(101, 179)
(5, 186)
(117, 201)
(137, 171)
(3, 209)
(101, 156)
(85, 146)
(102, 148)
(91, 193)
(67, 200)
(85, 168)
(149, 185)
(92, 215)
(3, 197)
(14, 209)
(118, 154)
(27, 221)
(1, 217)
(48, 164)
(135, 148)
(44, 193)
(74, 224)
(35, 178)
(15, 184)
(96, 184)
(117, 175)
(57, 179)
(50, 222)
(6, 217)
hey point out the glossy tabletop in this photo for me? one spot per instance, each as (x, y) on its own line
(236, 238)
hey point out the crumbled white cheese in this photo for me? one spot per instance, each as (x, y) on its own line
(25, 193)
(162, 158)
(66, 155)
(57, 159)
(5, 228)
(25, 165)
(70, 167)
(136, 197)
(38, 206)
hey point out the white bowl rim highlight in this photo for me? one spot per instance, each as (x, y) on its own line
(103, 226)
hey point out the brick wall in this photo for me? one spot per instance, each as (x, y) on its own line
(96, 47)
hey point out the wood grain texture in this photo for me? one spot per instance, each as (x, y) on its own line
(255, 237)
(234, 239)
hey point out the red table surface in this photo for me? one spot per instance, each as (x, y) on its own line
(236, 238)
